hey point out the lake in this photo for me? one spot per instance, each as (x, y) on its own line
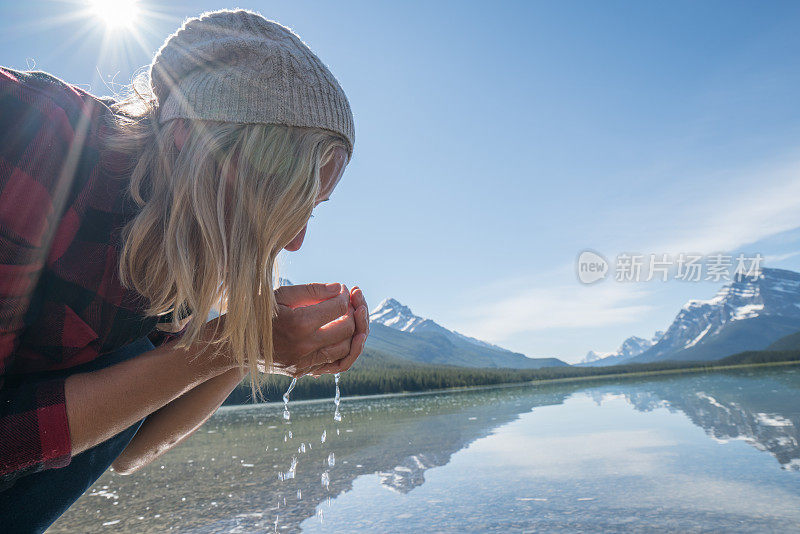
(693, 452)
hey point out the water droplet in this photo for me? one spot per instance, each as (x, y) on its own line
(331, 459)
(299, 495)
(336, 399)
(325, 479)
(286, 414)
(291, 472)
(324, 436)
(302, 448)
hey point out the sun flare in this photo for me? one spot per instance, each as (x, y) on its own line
(115, 13)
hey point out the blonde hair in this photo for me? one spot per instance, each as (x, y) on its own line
(213, 217)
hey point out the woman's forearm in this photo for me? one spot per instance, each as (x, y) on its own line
(103, 403)
(176, 421)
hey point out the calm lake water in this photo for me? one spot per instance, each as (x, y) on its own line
(699, 452)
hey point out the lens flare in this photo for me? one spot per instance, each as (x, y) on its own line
(115, 13)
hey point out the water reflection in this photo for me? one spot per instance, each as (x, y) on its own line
(760, 409)
(225, 478)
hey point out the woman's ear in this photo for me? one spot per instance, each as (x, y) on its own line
(181, 133)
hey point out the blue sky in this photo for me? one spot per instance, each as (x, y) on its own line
(497, 140)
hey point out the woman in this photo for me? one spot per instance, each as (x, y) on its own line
(123, 221)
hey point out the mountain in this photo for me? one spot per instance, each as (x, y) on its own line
(593, 356)
(790, 342)
(392, 313)
(749, 313)
(395, 329)
(633, 346)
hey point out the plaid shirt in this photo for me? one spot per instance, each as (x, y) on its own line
(61, 302)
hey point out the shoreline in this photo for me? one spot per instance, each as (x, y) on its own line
(699, 369)
(635, 374)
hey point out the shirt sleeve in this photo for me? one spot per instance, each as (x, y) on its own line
(37, 146)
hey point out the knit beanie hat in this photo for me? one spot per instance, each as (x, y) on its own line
(237, 66)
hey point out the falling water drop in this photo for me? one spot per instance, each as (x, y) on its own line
(323, 437)
(302, 448)
(299, 495)
(325, 479)
(331, 459)
(336, 399)
(286, 414)
(291, 472)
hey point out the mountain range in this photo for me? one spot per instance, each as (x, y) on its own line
(396, 330)
(748, 313)
(633, 346)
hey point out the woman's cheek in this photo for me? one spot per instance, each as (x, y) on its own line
(297, 242)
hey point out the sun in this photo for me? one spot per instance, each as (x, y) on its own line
(115, 13)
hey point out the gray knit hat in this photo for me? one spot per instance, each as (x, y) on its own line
(237, 66)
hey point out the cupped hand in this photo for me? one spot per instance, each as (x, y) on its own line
(360, 311)
(319, 328)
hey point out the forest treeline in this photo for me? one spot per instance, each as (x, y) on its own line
(377, 373)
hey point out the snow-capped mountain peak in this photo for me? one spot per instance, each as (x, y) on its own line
(593, 356)
(397, 330)
(747, 313)
(394, 314)
(773, 292)
(633, 346)
(746, 296)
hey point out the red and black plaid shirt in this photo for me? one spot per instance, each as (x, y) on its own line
(61, 302)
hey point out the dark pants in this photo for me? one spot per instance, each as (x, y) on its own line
(35, 501)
